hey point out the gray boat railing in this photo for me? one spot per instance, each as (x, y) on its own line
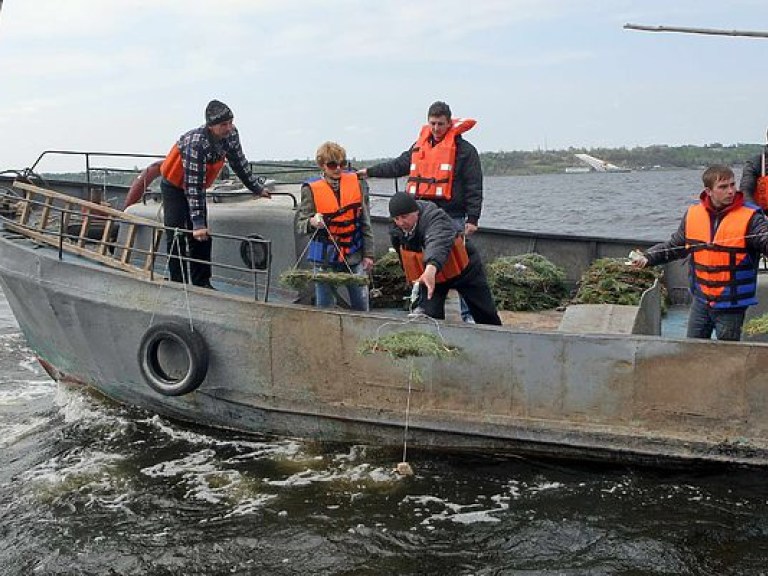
(97, 188)
(123, 241)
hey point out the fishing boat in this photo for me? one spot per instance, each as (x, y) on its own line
(98, 311)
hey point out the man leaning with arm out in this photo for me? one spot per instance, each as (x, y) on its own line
(725, 236)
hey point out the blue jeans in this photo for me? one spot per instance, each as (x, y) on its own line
(466, 315)
(703, 320)
(325, 294)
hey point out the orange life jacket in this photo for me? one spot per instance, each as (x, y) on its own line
(457, 261)
(722, 272)
(432, 166)
(173, 170)
(342, 218)
(761, 187)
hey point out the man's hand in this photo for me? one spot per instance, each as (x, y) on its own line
(469, 229)
(362, 173)
(637, 259)
(200, 234)
(317, 221)
(428, 279)
(264, 193)
(367, 264)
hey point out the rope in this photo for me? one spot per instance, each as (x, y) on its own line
(411, 369)
(700, 244)
(184, 280)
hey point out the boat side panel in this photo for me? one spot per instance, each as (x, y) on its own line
(690, 386)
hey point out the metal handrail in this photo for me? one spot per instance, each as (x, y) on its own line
(63, 217)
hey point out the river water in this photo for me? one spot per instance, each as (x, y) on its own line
(91, 488)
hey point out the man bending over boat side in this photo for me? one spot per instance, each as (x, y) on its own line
(334, 211)
(724, 236)
(434, 252)
(191, 166)
(444, 168)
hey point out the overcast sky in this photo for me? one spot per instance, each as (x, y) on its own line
(132, 75)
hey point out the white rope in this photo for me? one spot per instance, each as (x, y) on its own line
(700, 244)
(407, 412)
(184, 279)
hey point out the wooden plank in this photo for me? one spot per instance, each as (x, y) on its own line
(103, 247)
(74, 249)
(84, 229)
(96, 208)
(46, 212)
(130, 239)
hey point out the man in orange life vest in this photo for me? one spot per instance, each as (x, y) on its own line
(434, 252)
(725, 237)
(443, 168)
(334, 210)
(190, 167)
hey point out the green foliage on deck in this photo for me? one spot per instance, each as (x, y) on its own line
(611, 281)
(528, 282)
(757, 325)
(410, 344)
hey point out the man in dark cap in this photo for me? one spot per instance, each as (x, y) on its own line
(441, 167)
(435, 253)
(191, 166)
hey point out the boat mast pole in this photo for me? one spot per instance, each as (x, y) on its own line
(711, 31)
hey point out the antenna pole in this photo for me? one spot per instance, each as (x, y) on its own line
(710, 31)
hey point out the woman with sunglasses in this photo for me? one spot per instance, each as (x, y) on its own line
(334, 212)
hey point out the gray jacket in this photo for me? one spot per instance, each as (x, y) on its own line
(433, 235)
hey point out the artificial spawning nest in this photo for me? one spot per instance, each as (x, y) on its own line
(299, 278)
(389, 286)
(611, 281)
(410, 343)
(528, 282)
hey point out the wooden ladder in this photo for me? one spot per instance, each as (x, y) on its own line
(129, 243)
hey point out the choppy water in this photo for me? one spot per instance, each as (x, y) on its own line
(635, 205)
(90, 488)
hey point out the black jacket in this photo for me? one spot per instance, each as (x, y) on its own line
(752, 171)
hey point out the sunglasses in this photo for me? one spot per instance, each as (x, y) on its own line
(335, 165)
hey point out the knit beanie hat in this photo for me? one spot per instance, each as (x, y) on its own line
(217, 112)
(402, 203)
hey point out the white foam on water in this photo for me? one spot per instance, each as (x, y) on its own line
(206, 481)
(16, 392)
(198, 462)
(360, 474)
(10, 434)
(72, 472)
(285, 448)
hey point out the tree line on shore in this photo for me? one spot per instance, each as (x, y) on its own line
(640, 158)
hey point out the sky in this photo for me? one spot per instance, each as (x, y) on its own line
(133, 75)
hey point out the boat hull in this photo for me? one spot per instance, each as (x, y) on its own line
(624, 398)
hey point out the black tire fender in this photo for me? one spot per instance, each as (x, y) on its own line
(192, 346)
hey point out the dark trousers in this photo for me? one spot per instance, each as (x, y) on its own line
(473, 287)
(703, 320)
(176, 215)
